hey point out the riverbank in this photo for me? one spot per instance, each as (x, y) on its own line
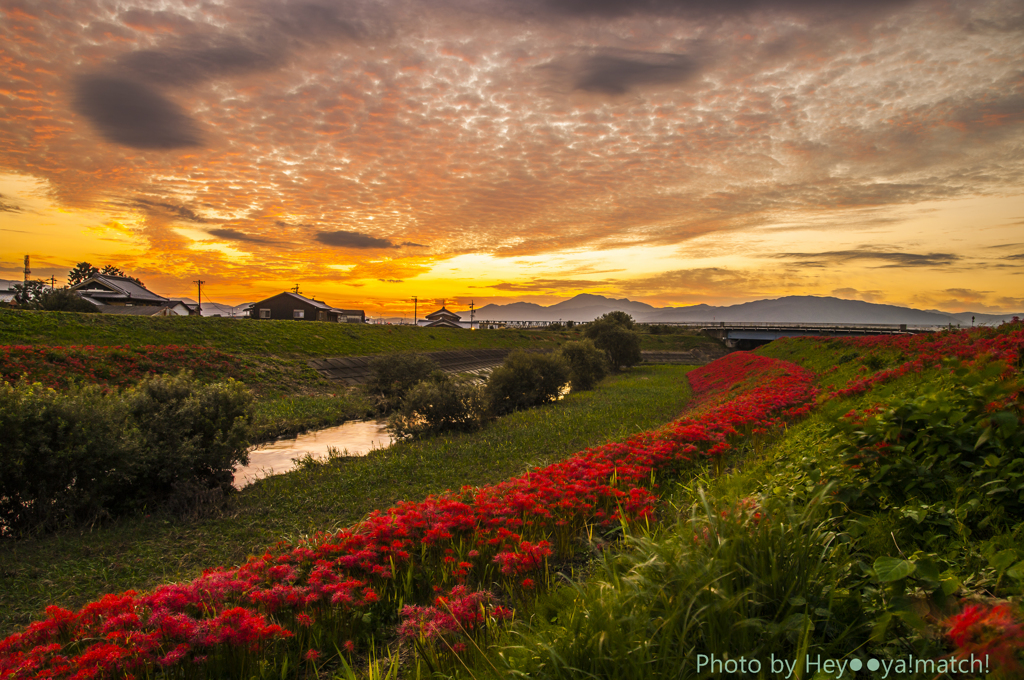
(138, 553)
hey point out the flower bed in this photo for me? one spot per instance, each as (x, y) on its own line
(116, 366)
(975, 348)
(337, 591)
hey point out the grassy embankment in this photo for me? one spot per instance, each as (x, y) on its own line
(790, 552)
(271, 356)
(76, 567)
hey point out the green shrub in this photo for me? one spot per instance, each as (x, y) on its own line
(526, 380)
(84, 453)
(953, 455)
(587, 364)
(614, 333)
(443, 403)
(188, 430)
(393, 375)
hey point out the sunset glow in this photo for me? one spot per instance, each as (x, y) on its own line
(668, 151)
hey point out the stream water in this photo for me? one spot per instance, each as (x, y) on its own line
(357, 437)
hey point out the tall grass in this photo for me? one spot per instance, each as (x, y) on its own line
(746, 581)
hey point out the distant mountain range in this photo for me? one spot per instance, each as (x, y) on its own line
(792, 309)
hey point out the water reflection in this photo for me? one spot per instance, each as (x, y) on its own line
(357, 437)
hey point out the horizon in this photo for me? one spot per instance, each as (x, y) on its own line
(664, 152)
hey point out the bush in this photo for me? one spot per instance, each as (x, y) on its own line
(614, 333)
(64, 300)
(393, 375)
(85, 453)
(587, 364)
(441, 404)
(526, 380)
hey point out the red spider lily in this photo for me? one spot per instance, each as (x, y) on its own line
(993, 631)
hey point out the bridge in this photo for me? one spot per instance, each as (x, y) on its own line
(745, 335)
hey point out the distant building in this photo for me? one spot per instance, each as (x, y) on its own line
(443, 318)
(123, 295)
(297, 307)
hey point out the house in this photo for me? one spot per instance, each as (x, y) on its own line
(289, 305)
(443, 318)
(119, 294)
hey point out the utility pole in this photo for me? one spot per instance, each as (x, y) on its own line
(415, 316)
(27, 270)
(199, 295)
(472, 312)
(296, 289)
(53, 282)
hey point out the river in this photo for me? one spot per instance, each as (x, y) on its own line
(358, 437)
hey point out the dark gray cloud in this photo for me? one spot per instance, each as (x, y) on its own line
(410, 244)
(8, 207)
(1018, 256)
(617, 74)
(235, 235)
(891, 259)
(186, 67)
(172, 208)
(132, 114)
(352, 239)
(391, 280)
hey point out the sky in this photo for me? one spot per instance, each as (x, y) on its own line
(675, 152)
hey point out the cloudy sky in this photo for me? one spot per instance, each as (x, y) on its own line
(669, 151)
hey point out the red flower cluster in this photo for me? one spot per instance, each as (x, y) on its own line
(496, 536)
(975, 347)
(116, 366)
(995, 633)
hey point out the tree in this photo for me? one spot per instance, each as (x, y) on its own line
(587, 364)
(81, 272)
(526, 380)
(111, 270)
(614, 333)
(27, 294)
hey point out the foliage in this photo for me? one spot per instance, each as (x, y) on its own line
(64, 300)
(81, 272)
(28, 293)
(614, 333)
(586, 364)
(83, 453)
(526, 380)
(393, 375)
(751, 580)
(949, 455)
(442, 403)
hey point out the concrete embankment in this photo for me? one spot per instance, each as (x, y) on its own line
(356, 370)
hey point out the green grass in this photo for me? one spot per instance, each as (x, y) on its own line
(284, 339)
(73, 568)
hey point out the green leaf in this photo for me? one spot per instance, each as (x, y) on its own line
(889, 569)
(1002, 560)
(985, 436)
(1016, 571)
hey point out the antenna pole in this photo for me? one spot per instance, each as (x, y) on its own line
(415, 315)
